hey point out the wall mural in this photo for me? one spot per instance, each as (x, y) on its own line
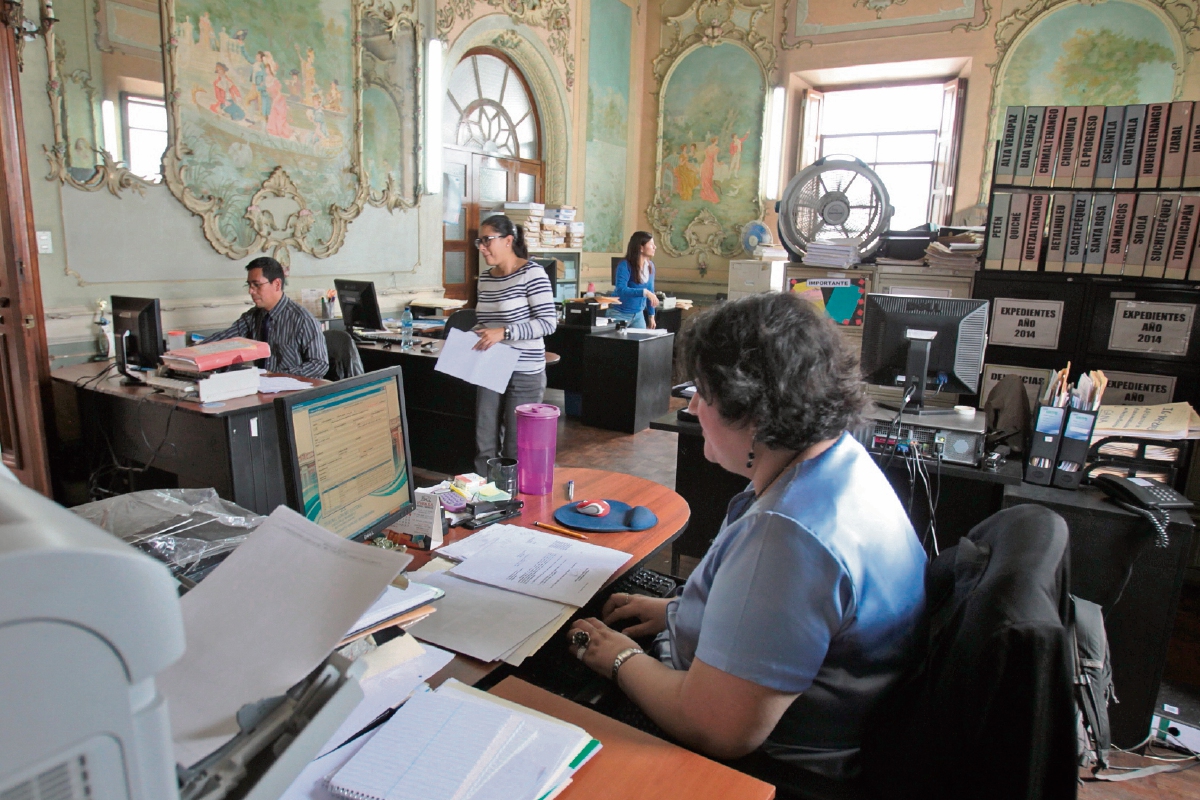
(710, 134)
(1058, 52)
(607, 125)
(268, 119)
(807, 23)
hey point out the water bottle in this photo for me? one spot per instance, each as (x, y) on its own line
(406, 319)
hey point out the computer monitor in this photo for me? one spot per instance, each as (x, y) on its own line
(360, 306)
(924, 343)
(345, 453)
(137, 331)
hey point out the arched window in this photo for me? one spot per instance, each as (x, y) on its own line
(489, 110)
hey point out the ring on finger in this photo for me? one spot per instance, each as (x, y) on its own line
(581, 639)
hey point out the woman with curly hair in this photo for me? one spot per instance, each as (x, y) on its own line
(806, 607)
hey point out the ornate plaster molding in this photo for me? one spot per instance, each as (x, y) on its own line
(552, 16)
(971, 15)
(710, 22)
(397, 23)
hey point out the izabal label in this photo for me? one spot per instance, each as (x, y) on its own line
(1159, 328)
(1026, 323)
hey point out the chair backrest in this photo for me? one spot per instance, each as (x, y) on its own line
(989, 712)
(344, 361)
(464, 319)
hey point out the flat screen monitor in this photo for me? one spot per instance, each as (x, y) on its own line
(923, 343)
(345, 453)
(137, 331)
(360, 306)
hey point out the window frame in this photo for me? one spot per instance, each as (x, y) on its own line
(513, 70)
(127, 154)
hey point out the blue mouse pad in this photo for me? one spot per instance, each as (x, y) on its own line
(621, 517)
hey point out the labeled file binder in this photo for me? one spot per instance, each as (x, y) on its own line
(1073, 448)
(1043, 449)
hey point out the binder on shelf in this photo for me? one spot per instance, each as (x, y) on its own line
(1073, 448)
(997, 225)
(1160, 235)
(1010, 137)
(1097, 236)
(1150, 164)
(1068, 147)
(1194, 270)
(1109, 147)
(1175, 145)
(1085, 170)
(1118, 236)
(1081, 205)
(1139, 234)
(1183, 238)
(1043, 449)
(1056, 235)
(1015, 231)
(1047, 154)
(1131, 147)
(1031, 248)
(1031, 135)
(1191, 165)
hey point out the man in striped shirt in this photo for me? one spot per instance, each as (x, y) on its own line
(515, 306)
(297, 343)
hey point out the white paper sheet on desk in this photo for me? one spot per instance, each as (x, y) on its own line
(381, 692)
(482, 621)
(265, 618)
(489, 368)
(543, 565)
(465, 548)
(274, 384)
(395, 601)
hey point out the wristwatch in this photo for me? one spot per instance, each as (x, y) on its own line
(624, 656)
(507, 334)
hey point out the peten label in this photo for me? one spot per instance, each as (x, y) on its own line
(1136, 389)
(1026, 323)
(1162, 328)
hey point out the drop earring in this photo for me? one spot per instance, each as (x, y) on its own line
(750, 459)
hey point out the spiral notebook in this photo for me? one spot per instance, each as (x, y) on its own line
(460, 744)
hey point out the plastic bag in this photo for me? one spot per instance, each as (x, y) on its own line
(190, 530)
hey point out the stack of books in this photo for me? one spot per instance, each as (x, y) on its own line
(838, 253)
(202, 362)
(771, 252)
(460, 742)
(962, 251)
(575, 232)
(527, 216)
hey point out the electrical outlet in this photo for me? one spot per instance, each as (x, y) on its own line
(45, 242)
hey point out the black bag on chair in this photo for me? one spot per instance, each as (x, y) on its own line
(1093, 683)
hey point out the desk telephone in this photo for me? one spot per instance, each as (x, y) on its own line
(1141, 492)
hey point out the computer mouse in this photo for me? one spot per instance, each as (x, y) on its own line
(593, 508)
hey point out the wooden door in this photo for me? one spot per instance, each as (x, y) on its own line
(24, 357)
(485, 184)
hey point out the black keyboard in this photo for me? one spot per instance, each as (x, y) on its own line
(645, 581)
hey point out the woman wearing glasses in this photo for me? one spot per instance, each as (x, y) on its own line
(516, 307)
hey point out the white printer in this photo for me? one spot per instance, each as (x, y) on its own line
(86, 622)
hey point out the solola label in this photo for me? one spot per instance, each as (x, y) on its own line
(1026, 323)
(1163, 328)
(1034, 380)
(1135, 389)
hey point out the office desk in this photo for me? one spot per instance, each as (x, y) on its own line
(671, 509)
(231, 446)
(632, 764)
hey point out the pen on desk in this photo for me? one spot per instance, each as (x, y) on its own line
(387, 714)
(570, 490)
(563, 531)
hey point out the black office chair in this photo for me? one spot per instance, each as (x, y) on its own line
(464, 319)
(344, 361)
(989, 712)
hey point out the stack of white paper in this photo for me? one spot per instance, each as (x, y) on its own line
(839, 253)
(394, 602)
(460, 743)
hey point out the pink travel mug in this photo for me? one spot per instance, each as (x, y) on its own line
(537, 440)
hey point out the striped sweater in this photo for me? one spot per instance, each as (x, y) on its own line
(523, 304)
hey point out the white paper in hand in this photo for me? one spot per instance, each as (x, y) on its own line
(489, 368)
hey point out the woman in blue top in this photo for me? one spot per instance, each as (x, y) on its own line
(635, 282)
(805, 609)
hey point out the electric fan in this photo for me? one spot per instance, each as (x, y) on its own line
(753, 234)
(836, 197)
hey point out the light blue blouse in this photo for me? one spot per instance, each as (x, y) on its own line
(816, 588)
(633, 299)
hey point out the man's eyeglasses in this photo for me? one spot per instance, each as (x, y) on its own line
(252, 285)
(486, 241)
